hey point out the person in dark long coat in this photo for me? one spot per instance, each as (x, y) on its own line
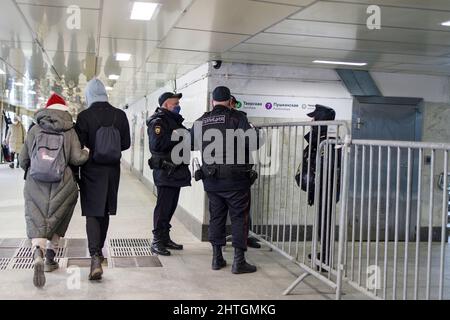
(308, 178)
(99, 183)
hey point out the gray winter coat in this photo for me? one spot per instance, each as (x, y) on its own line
(49, 206)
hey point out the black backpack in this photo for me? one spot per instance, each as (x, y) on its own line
(108, 145)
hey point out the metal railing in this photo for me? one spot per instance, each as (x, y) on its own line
(298, 219)
(377, 218)
(396, 222)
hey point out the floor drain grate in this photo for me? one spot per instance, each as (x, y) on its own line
(16, 254)
(142, 252)
(126, 243)
(121, 252)
(22, 264)
(26, 252)
(130, 252)
(4, 263)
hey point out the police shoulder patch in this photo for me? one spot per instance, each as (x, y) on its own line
(158, 129)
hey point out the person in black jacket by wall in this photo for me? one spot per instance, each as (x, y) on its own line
(314, 138)
(168, 177)
(99, 183)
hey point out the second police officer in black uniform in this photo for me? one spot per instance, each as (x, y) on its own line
(168, 177)
(226, 184)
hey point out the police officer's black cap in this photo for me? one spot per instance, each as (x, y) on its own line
(169, 95)
(322, 113)
(221, 94)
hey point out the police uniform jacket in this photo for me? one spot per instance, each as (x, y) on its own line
(222, 118)
(160, 128)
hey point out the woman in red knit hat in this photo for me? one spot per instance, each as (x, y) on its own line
(51, 192)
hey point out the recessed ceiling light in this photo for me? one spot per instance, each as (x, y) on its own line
(357, 64)
(123, 56)
(109, 88)
(143, 10)
(2, 72)
(114, 77)
(19, 84)
(446, 23)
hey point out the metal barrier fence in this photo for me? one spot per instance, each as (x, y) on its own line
(377, 218)
(396, 222)
(298, 218)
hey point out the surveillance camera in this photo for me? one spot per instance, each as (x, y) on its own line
(126, 107)
(217, 64)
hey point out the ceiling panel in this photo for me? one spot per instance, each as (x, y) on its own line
(50, 25)
(438, 69)
(349, 55)
(116, 21)
(179, 56)
(348, 44)
(170, 68)
(234, 16)
(350, 31)
(12, 26)
(201, 40)
(298, 3)
(90, 4)
(427, 4)
(139, 50)
(390, 16)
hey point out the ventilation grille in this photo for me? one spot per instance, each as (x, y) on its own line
(130, 243)
(4, 263)
(26, 252)
(16, 254)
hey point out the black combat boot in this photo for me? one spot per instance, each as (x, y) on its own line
(96, 268)
(169, 244)
(239, 263)
(158, 247)
(50, 263)
(218, 261)
(39, 276)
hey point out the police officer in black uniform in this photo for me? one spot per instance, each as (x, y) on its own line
(226, 182)
(168, 176)
(251, 241)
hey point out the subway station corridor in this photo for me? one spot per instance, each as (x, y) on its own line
(184, 275)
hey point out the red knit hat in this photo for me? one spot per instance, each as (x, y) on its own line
(56, 102)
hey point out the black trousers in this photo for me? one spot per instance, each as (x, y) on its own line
(166, 205)
(97, 230)
(237, 204)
